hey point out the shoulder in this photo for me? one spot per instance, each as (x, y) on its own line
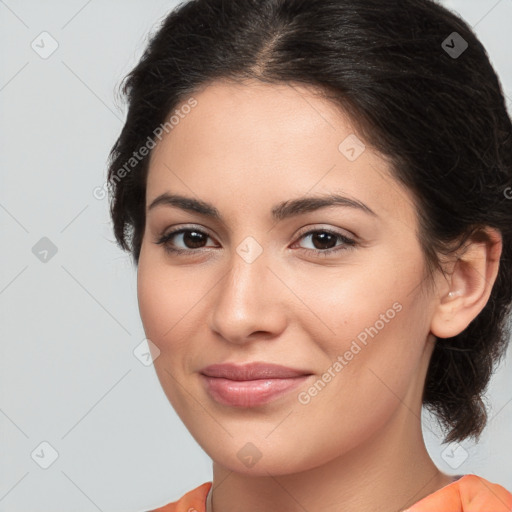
(470, 493)
(192, 501)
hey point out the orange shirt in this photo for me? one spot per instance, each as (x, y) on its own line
(470, 493)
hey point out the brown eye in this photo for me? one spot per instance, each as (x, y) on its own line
(324, 242)
(190, 240)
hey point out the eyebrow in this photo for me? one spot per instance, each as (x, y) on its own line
(281, 211)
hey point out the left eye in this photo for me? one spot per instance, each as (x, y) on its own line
(321, 238)
(324, 241)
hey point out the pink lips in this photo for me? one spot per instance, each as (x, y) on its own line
(251, 384)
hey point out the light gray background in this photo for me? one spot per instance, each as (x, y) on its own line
(69, 376)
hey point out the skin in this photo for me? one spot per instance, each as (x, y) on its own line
(358, 444)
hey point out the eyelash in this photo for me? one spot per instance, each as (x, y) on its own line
(348, 243)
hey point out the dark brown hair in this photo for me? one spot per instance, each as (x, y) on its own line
(403, 73)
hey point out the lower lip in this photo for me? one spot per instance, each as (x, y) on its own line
(249, 393)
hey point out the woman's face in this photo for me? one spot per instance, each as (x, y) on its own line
(336, 292)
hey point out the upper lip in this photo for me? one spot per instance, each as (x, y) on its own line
(252, 371)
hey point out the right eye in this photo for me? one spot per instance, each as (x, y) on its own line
(191, 238)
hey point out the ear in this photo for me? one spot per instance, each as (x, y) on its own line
(468, 287)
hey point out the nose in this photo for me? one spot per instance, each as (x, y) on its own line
(248, 301)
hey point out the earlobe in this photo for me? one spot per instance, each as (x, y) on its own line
(469, 284)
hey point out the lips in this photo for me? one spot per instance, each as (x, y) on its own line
(252, 371)
(252, 384)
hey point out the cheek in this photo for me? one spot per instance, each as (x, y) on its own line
(352, 298)
(165, 305)
(373, 315)
(381, 341)
(172, 304)
(162, 302)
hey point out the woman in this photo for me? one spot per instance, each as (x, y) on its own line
(316, 196)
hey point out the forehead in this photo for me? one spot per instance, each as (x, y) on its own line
(271, 114)
(269, 142)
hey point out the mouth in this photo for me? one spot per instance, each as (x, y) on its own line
(252, 384)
